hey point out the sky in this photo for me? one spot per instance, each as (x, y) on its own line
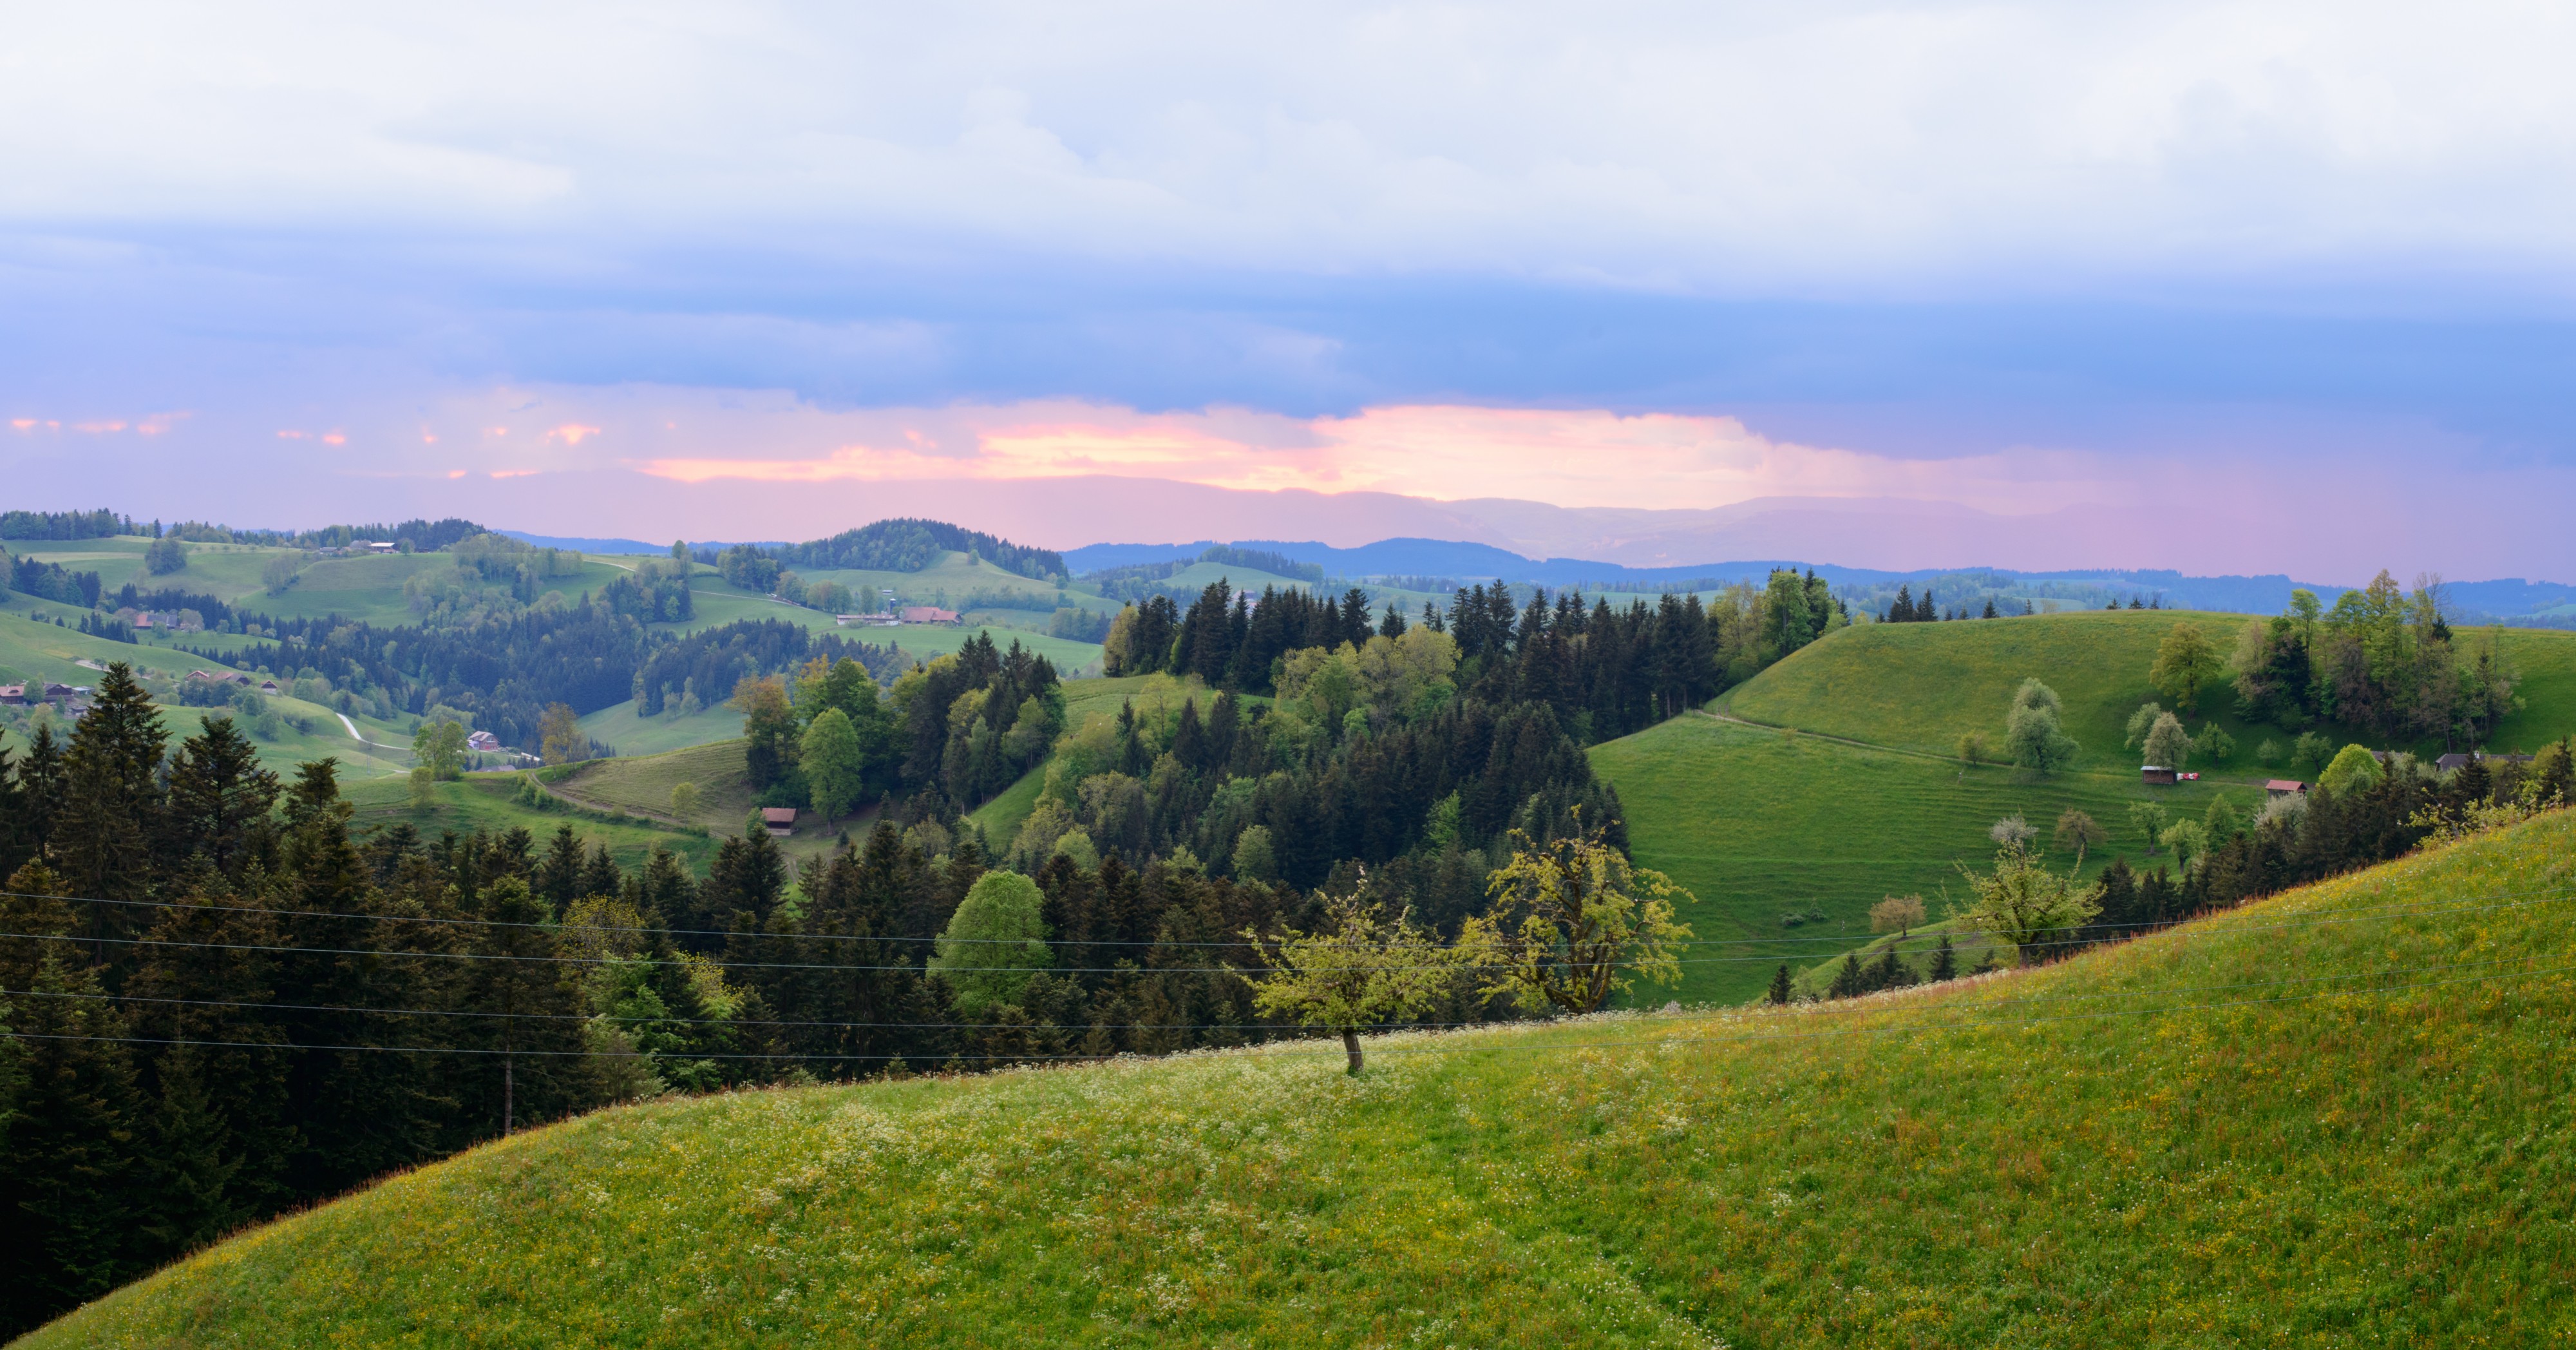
(2223, 287)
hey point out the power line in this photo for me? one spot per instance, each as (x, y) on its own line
(1851, 1005)
(2331, 918)
(646, 930)
(1965, 1024)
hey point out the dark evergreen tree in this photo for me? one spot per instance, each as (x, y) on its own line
(1779, 994)
(1945, 962)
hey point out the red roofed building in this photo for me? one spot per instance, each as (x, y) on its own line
(928, 614)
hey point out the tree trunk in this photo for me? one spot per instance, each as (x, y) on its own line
(1351, 1045)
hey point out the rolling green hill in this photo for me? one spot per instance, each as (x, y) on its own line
(1920, 685)
(2326, 1119)
(1759, 825)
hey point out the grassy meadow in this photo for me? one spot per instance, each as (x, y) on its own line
(2326, 1119)
(1919, 686)
(1761, 824)
(488, 802)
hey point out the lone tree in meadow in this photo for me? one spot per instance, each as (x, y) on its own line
(1898, 914)
(2020, 902)
(1361, 970)
(2032, 731)
(1779, 995)
(2186, 663)
(2079, 832)
(1572, 923)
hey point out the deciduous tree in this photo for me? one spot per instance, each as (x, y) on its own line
(1360, 969)
(1572, 922)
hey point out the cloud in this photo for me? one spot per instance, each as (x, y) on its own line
(1570, 457)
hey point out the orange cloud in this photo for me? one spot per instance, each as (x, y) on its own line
(23, 423)
(95, 427)
(1571, 457)
(290, 435)
(456, 473)
(508, 473)
(570, 433)
(334, 438)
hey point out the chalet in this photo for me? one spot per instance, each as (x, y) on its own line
(2157, 775)
(59, 692)
(2285, 787)
(780, 820)
(13, 694)
(482, 740)
(2454, 761)
(219, 676)
(929, 614)
(269, 687)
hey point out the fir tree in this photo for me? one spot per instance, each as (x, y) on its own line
(1779, 994)
(1945, 961)
(1847, 980)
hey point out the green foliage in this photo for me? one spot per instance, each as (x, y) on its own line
(2168, 745)
(684, 800)
(2140, 723)
(1360, 969)
(2186, 663)
(835, 765)
(2214, 743)
(1573, 921)
(2354, 767)
(1462, 1162)
(994, 942)
(2033, 735)
(165, 555)
(2022, 902)
(440, 746)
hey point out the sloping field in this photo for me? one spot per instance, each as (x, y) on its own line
(2329, 1119)
(1920, 685)
(488, 802)
(1759, 825)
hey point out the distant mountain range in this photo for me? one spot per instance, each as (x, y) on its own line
(2511, 599)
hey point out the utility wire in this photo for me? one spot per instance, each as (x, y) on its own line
(1851, 1005)
(460, 921)
(1656, 1042)
(2331, 918)
(1843, 941)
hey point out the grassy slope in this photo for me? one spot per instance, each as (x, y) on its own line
(2126, 1149)
(618, 726)
(1922, 685)
(1756, 824)
(486, 802)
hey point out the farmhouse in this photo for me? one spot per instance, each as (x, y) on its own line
(482, 740)
(780, 820)
(929, 614)
(269, 687)
(2285, 787)
(2157, 775)
(13, 694)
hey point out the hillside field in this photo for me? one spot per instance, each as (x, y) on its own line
(1759, 824)
(1920, 685)
(2326, 1119)
(485, 801)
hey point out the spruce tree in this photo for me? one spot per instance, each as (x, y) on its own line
(111, 808)
(557, 879)
(1945, 961)
(1779, 994)
(220, 801)
(1848, 981)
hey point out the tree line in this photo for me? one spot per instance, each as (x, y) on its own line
(2358, 819)
(221, 1002)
